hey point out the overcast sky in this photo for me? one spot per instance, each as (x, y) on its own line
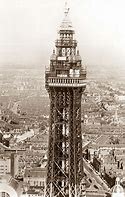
(28, 29)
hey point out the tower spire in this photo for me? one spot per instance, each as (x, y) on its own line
(66, 10)
(66, 23)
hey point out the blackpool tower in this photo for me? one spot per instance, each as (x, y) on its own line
(65, 83)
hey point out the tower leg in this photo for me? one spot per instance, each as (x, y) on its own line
(65, 163)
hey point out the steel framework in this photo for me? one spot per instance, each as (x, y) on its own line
(65, 82)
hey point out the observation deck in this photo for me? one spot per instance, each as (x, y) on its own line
(66, 43)
(70, 80)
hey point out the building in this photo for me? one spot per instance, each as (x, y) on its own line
(9, 164)
(9, 161)
(35, 180)
(5, 165)
(9, 187)
(4, 194)
(31, 193)
(35, 177)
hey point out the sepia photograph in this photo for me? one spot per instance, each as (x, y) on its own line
(62, 98)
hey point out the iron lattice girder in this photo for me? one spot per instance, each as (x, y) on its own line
(65, 165)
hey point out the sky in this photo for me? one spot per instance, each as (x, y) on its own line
(28, 29)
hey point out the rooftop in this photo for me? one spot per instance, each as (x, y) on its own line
(35, 172)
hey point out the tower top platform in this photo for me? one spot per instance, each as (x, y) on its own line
(66, 69)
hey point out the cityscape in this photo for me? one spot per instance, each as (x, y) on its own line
(62, 126)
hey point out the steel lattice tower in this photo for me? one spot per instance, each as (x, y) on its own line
(65, 82)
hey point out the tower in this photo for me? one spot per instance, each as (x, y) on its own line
(118, 190)
(65, 83)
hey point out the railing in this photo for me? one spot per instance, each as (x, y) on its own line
(66, 42)
(70, 82)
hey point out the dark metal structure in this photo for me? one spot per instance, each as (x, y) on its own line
(65, 82)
